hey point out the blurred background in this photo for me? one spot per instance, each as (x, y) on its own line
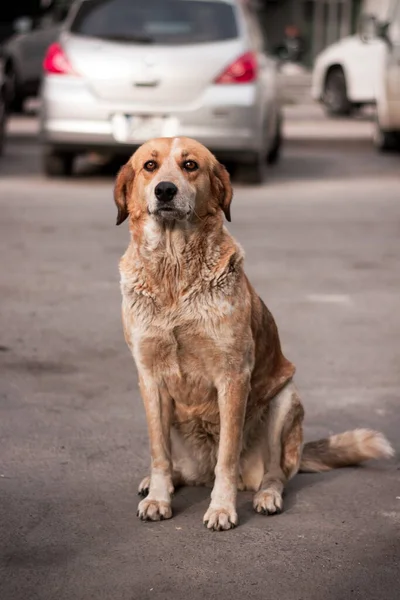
(301, 100)
(343, 55)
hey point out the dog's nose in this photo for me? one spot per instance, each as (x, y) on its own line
(165, 191)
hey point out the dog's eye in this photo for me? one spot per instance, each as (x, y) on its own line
(190, 165)
(150, 165)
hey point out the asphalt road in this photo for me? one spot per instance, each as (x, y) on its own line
(322, 243)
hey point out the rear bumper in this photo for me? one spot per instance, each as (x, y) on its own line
(223, 119)
(224, 143)
(232, 154)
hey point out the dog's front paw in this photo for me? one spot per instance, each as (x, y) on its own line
(154, 510)
(220, 519)
(268, 502)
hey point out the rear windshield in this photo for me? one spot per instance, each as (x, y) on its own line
(156, 21)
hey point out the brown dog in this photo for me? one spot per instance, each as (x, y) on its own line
(221, 405)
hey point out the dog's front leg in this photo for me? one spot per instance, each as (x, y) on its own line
(158, 405)
(232, 399)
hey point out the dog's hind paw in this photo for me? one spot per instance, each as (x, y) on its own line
(268, 502)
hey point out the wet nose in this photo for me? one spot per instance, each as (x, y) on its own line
(165, 191)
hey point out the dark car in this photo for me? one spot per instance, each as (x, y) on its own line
(24, 51)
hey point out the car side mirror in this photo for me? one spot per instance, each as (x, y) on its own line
(368, 28)
(23, 24)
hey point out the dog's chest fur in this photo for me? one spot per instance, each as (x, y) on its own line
(184, 340)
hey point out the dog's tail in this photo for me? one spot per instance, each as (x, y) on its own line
(344, 450)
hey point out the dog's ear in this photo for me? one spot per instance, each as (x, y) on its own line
(122, 191)
(223, 189)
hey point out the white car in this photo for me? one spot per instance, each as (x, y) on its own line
(123, 71)
(365, 69)
(347, 73)
(344, 74)
(387, 123)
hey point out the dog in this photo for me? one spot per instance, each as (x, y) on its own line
(221, 405)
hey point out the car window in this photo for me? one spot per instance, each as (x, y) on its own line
(157, 21)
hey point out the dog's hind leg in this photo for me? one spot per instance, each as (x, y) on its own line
(282, 447)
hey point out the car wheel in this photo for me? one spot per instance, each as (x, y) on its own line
(58, 164)
(335, 97)
(274, 153)
(385, 141)
(2, 122)
(15, 98)
(253, 171)
(17, 105)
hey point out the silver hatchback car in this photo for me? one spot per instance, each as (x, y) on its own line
(124, 71)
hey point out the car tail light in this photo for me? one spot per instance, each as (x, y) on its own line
(56, 61)
(243, 70)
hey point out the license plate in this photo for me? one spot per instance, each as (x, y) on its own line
(128, 129)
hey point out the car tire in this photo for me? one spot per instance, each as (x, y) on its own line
(385, 141)
(274, 153)
(58, 164)
(253, 171)
(17, 105)
(16, 100)
(335, 97)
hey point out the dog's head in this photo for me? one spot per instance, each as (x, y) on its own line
(172, 179)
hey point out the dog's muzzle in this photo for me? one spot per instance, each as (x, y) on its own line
(167, 206)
